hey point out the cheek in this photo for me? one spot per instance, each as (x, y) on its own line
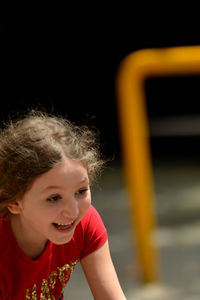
(85, 205)
(39, 214)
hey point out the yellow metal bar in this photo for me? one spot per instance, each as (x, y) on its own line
(134, 69)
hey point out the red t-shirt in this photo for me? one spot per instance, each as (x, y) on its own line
(22, 278)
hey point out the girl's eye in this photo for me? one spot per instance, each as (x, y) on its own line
(82, 191)
(54, 198)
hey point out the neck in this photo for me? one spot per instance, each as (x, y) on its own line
(32, 249)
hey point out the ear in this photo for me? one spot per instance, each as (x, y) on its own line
(15, 207)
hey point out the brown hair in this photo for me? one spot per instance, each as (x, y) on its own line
(34, 144)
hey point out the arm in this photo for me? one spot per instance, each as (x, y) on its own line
(101, 275)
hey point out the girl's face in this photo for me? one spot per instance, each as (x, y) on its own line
(53, 206)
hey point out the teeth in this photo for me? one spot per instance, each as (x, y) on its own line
(60, 224)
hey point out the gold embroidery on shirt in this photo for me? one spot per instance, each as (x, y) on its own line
(45, 290)
(52, 279)
(28, 294)
(47, 287)
(34, 294)
(65, 272)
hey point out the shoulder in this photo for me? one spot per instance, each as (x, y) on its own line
(7, 246)
(91, 213)
(92, 221)
(3, 236)
(93, 230)
(4, 261)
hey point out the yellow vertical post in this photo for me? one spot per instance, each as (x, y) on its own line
(134, 69)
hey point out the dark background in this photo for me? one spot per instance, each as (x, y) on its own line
(70, 68)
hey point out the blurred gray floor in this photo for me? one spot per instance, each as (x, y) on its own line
(177, 196)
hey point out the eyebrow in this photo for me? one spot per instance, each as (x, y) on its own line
(84, 180)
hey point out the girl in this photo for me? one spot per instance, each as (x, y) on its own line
(47, 222)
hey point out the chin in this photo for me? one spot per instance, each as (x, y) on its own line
(62, 242)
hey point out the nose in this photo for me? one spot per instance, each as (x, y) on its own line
(71, 209)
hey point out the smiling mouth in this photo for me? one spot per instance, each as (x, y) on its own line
(63, 226)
